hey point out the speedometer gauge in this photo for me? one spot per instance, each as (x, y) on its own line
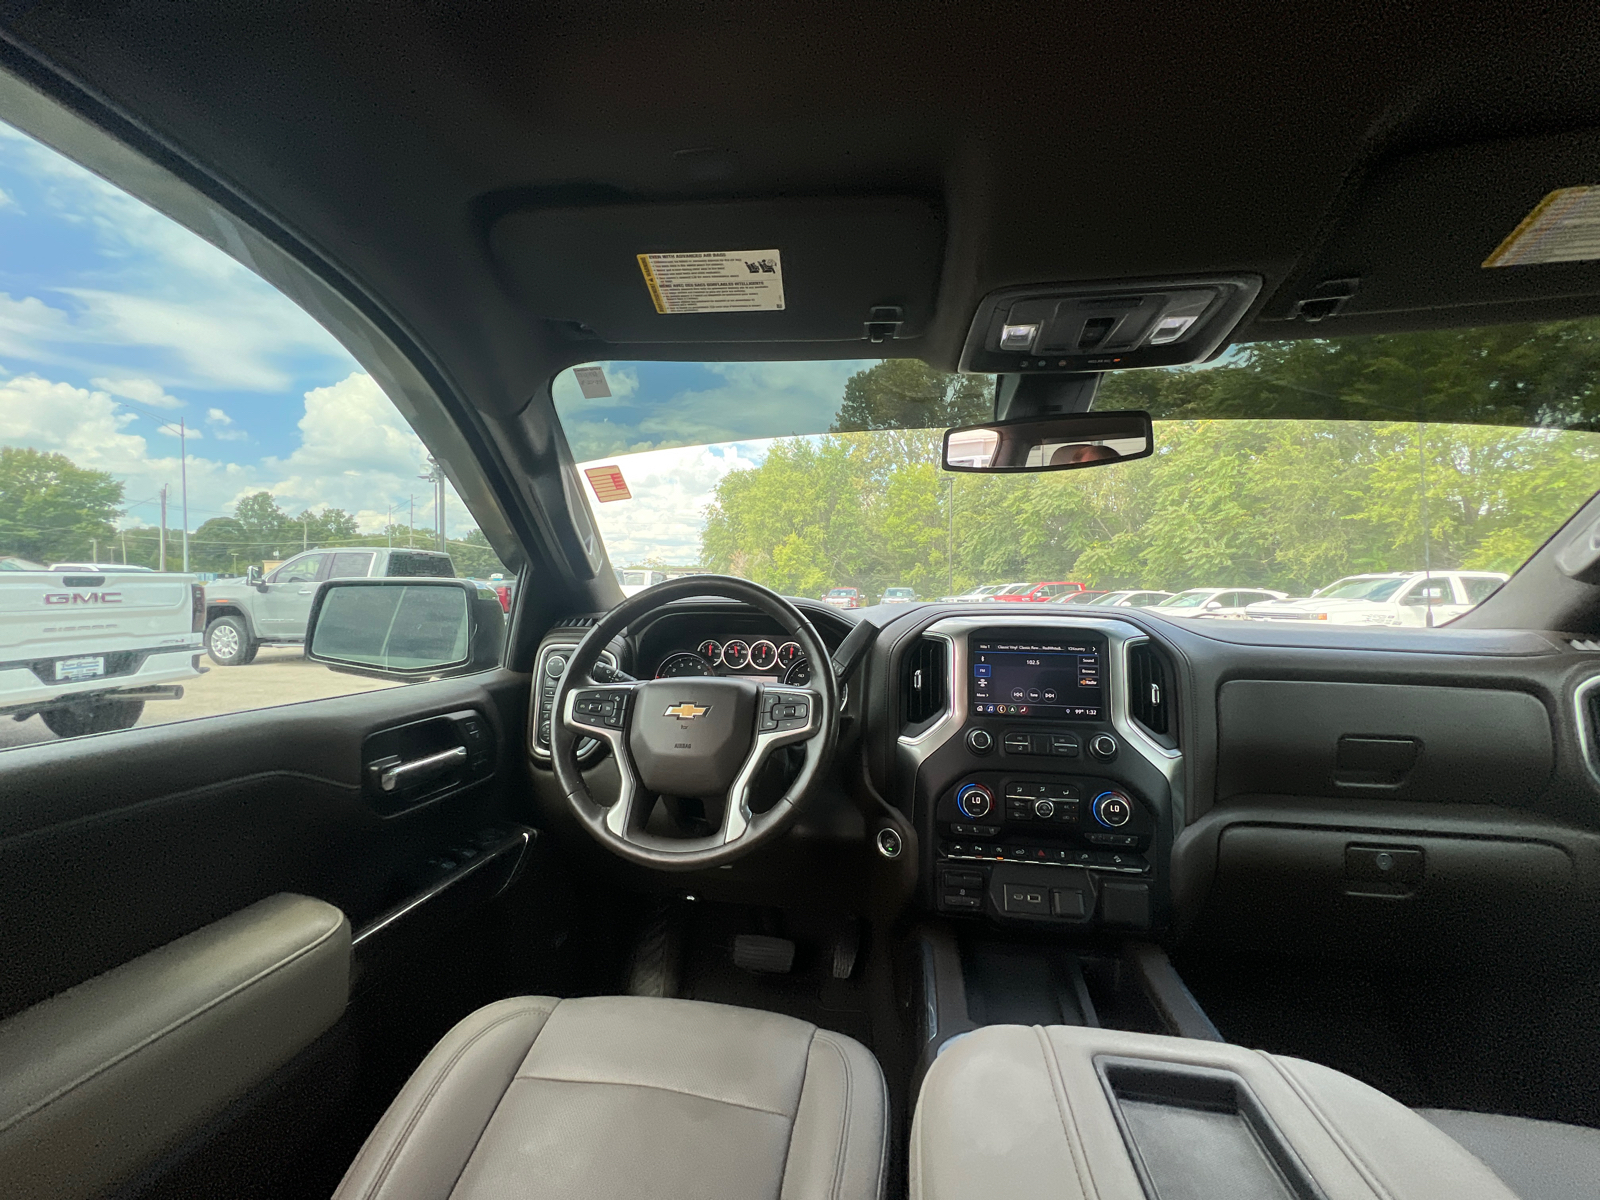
(763, 656)
(735, 654)
(798, 675)
(685, 662)
(710, 651)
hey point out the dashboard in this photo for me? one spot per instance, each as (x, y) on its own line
(765, 659)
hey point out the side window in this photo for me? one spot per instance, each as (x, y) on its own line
(1478, 589)
(299, 570)
(1225, 600)
(351, 564)
(163, 407)
(1428, 591)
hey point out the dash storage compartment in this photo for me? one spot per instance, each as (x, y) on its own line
(1198, 1133)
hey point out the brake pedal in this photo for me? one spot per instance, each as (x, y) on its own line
(762, 955)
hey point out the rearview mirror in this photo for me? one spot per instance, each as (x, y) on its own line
(405, 628)
(1057, 443)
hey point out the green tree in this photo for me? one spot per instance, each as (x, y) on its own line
(52, 509)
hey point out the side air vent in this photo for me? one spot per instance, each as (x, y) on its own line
(1585, 645)
(576, 623)
(924, 693)
(1591, 724)
(1151, 699)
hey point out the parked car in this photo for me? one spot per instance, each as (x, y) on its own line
(633, 582)
(898, 595)
(244, 614)
(100, 568)
(1039, 593)
(85, 651)
(501, 587)
(1216, 602)
(845, 597)
(976, 596)
(1132, 599)
(1087, 596)
(1417, 598)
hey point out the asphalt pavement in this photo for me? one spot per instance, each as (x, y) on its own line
(279, 675)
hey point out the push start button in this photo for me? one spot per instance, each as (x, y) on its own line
(1027, 898)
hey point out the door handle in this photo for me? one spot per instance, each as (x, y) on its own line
(391, 774)
(307, 591)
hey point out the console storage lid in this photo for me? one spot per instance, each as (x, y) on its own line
(1098, 1114)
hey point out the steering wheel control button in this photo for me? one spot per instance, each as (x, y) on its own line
(1103, 746)
(600, 708)
(975, 801)
(1112, 809)
(784, 711)
(980, 741)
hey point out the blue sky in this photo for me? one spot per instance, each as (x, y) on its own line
(115, 323)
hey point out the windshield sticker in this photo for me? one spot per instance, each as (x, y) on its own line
(1563, 227)
(608, 484)
(714, 281)
(592, 382)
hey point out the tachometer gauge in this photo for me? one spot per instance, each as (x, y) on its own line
(798, 675)
(684, 662)
(710, 651)
(735, 654)
(763, 656)
(788, 654)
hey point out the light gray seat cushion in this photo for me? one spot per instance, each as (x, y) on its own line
(1538, 1160)
(626, 1097)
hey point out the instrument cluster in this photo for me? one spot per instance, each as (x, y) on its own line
(781, 661)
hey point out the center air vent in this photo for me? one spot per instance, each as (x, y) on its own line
(576, 623)
(924, 690)
(1150, 692)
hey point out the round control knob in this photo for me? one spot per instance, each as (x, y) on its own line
(554, 665)
(1044, 809)
(1112, 809)
(1103, 745)
(980, 741)
(974, 801)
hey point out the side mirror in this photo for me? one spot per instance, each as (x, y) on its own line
(405, 628)
(253, 576)
(1213, 604)
(1057, 443)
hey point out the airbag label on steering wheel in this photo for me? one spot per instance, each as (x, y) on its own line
(714, 281)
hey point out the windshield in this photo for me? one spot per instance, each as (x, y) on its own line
(1284, 466)
(1362, 589)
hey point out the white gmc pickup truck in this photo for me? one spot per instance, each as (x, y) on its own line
(84, 645)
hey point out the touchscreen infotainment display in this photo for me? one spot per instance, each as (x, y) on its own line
(1050, 678)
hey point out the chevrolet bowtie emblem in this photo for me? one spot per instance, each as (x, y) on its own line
(687, 711)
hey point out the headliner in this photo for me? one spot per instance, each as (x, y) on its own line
(1059, 142)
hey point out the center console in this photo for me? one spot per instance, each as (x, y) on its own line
(1039, 800)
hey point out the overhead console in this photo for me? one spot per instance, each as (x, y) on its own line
(1038, 799)
(1106, 326)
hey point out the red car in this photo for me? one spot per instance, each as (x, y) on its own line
(844, 597)
(1037, 593)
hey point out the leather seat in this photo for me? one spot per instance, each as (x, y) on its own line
(1538, 1160)
(621, 1096)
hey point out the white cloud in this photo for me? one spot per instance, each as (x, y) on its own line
(216, 416)
(671, 489)
(145, 391)
(356, 453)
(223, 428)
(8, 201)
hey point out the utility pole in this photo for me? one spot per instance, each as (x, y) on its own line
(1427, 542)
(411, 529)
(183, 477)
(163, 527)
(950, 555)
(305, 533)
(94, 550)
(388, 527)
(124, 547)
(435, 476)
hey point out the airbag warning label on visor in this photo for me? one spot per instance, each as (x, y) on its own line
(714, 281)
(1563, 227)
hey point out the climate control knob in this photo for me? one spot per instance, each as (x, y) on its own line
(1112, 809)
(975, 801)
(1103, 746)
(1044, 809)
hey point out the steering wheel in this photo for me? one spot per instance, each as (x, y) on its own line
(705, 737)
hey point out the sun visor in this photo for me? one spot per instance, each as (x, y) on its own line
(801, 270)
(1495, 231)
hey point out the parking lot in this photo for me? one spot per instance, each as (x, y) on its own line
(279, 675)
